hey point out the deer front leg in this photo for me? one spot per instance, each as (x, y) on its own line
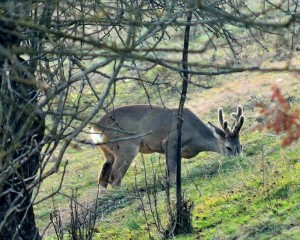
(170, 150)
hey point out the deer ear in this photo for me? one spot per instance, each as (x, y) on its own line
(217, 132)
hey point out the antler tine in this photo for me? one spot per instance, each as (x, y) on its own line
(221, 116)
(223, 123)
(226, 128)
(240, 110)
(237, 115)
(238, 126)
(239, 120)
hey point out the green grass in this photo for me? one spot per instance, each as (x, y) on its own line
(255, 196)
(258, 199)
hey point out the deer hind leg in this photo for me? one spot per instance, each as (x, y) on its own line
(106, 168)
(124, 155)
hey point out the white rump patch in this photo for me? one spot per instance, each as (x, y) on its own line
(97, 137)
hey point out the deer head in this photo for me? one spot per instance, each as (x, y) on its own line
(228, 138)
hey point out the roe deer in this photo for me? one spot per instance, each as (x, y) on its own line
(161, 124)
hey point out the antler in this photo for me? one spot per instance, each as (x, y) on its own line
(238, 114)
(239, 120)
(223, 123)
(237, 124)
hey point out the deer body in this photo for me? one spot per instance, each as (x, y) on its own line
(161, 124)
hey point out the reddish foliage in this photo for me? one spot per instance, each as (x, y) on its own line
(281, 118)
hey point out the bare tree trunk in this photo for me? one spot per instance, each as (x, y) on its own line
(21, 131)
(179, 219)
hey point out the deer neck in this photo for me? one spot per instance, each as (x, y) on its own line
(210, 143)
(214, 145)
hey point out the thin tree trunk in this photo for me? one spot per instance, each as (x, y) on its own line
(180, 121)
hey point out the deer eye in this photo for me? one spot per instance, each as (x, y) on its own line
(229, 149)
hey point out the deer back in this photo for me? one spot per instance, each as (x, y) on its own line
(159, 122)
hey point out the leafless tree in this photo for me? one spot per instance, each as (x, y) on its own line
(60, 62)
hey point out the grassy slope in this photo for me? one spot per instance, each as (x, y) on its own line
(252, 197)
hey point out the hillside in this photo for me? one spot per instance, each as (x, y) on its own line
(255, 196)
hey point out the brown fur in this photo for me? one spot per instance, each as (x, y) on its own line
(161, 124)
